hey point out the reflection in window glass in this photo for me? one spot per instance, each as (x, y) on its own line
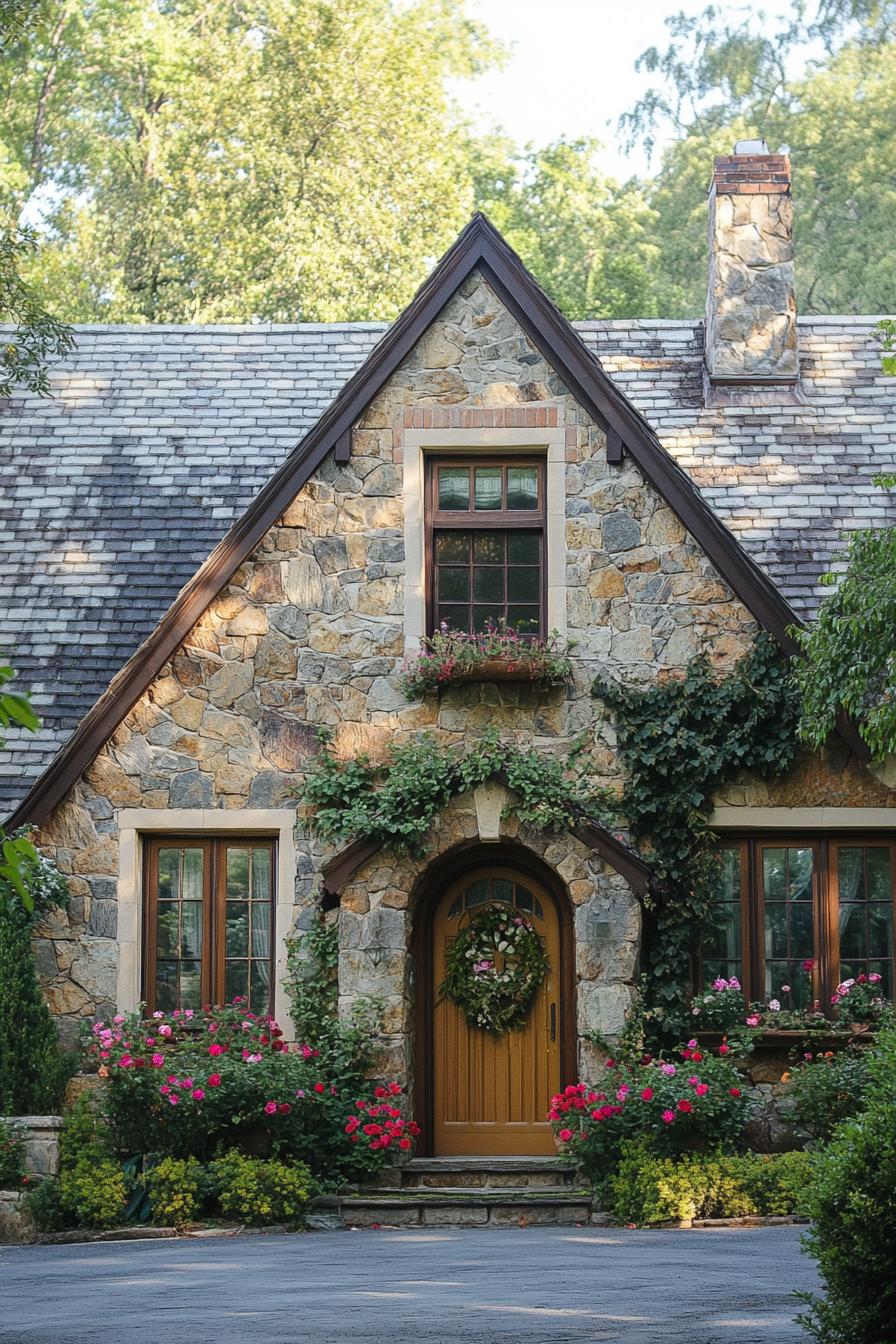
(454, 488)
(487, 487)
(722, 953)
(787, 874)
(179, 928)
(865, 889)
(522, 487)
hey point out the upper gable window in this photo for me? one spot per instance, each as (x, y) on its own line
(485, 534)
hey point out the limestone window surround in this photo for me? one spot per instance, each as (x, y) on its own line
(551, 442)
(136, 822)
(803, 818)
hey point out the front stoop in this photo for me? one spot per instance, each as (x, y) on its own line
(466, 1192)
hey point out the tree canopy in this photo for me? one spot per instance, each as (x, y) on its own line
(240, 160)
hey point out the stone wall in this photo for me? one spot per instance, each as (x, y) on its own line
(309, 634)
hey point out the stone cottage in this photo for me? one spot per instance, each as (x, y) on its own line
(194, 597)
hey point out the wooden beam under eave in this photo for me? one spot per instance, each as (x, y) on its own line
(615, 446)
(343, 449)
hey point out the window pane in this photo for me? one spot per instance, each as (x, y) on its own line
(456, 618)
(522, 487)
(877, 868)
(477, 893)
(261, 930)
(454, 488)
(488, 548)
(190, 984)
(722, 934)
(236, 979)
(522, 548)
(880, 929)
(522, 585)
(774, 873)
(238, 873)
(502, 890)
(169, 872)
(850, 874)
(454, 584)
(488, 585)
(176, 977)
(167, 928)
(852, 930)
(524, 619)
(237, 929)
(485, 618)
(799, 887)
(453, 547)
(261, 875)
(487, 487)
(260, 991)
(775, 931)
(801, 930)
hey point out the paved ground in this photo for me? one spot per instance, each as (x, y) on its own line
(533, 1286)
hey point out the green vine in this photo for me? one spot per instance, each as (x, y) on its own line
(680, 740)
(396, 802)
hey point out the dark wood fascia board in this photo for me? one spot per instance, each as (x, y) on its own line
(339, 871)
(479, 245)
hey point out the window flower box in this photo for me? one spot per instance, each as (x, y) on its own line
(449, 658)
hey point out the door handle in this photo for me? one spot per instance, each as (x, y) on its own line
(553, 1021)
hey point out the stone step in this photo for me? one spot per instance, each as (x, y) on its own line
(486, 1173)
(459, 1208)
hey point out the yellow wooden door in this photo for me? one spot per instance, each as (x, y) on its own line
(491, 1093)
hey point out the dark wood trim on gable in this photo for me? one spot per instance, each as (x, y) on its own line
(478, 246)
(338, 871)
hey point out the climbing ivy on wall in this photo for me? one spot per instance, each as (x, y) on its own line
(395, 802)
(680, 740)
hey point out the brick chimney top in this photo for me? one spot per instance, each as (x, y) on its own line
(751, 175)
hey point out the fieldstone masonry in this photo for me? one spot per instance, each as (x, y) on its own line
(751, 305)
(309, 634)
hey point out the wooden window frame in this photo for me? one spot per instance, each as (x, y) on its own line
(826, 905)
(214, 903)
(438, 520)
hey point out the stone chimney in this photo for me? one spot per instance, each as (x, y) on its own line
(750, 302)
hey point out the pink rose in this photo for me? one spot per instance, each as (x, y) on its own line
(270, 1108)
(216, 1049)
(157, 1061)
(214, 1080)
(668, 1117)
(197, 1094)
(164, 1029)
(565, 1135)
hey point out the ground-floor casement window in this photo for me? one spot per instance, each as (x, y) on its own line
(783, 902)
(208, 927)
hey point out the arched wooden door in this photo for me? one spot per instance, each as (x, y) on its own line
(491, 1093)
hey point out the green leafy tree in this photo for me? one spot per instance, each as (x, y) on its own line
(849, 662)
(33, 1072)
(727, 76)
(36, 335)
(588, 240)
(200, 161)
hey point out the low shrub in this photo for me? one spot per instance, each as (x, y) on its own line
(177, 1189)
(258, 1191)
(191, 1084)
(94, 1193)
(862, 1000)
(647, 1188)
(850, 1201)
(92, 1185)
(829, 1088)
(694, 1101)
(44, 1202)
(12, 1153)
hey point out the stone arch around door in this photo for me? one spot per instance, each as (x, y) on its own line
(475, 1093)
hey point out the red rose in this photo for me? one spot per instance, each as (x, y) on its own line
(735, 1091)
(319, 1087)
(647, 1094)
(696, 1056)
(685, 1106)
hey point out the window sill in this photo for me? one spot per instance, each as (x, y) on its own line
(495, 669)
(772, 1040)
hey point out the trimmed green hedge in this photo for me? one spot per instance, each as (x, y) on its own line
(647, 1189)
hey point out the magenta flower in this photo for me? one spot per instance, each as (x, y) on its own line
(197, 1094)
(270, 1108)
(668, 1117)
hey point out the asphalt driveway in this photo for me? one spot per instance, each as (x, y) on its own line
(534, 1285)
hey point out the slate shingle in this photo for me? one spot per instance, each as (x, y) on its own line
(116, 489)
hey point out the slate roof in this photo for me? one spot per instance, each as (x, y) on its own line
(157, 438)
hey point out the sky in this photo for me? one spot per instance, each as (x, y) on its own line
(571, 70)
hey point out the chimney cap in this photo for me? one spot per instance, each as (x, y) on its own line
(751, 147)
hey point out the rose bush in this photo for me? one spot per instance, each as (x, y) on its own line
(191, 1084)
(721, 1006)
(861, 1000)
(693, 1101)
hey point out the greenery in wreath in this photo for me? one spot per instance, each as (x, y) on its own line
(495, 968)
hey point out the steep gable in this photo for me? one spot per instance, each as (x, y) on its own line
(624, 431)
